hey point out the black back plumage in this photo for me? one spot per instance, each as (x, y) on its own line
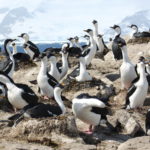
(21, 57)
(34, 48)
(28, 94)
(147, 121)
(116, 49)
(51, 80)
(141, 34)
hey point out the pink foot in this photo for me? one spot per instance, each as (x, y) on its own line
(46, 98)
(88, 132)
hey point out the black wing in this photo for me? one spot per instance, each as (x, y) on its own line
(74, 51)
(28, 94)
(86, 52)
(59, 65)
(44, 110)
(145, 34)
(51, 80)
(21, 57)
(34, 48)
(147, 121)
(129, 93)
(116, 49)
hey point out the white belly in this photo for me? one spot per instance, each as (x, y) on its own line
(46, 89)
(84, 77)
(84, 113)
(14, 97)
(128, 74)
(29, 52)
(138, 97)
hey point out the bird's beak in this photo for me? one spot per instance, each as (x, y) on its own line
(19, 36)
(14, 39)
(129, 26)
(85, 30)
(119, 44)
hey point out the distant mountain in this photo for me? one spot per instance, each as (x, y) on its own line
(141, 19)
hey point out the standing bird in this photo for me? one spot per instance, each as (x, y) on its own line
(19, 95)
(138, 91)
(80, 73)
(46, 82)
(90, 110)
(9, 68)
(91, 51)
(101, 47)
(115, 49)
(30, 48)
(127, 69)
(136, 34)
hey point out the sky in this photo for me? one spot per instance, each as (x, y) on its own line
(68, 16)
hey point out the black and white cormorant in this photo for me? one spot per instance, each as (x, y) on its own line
(115, 49)
(9, 68)
(136, 34)
(138, 91)
(91, 51)
(46, 82)
(127, 70)
(90, 110)
(19, 95)
(30, 48)
(101, 47)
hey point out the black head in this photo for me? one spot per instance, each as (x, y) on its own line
(70, 39)
(87, 30)
(13, 44)
(42, 55)
(99, 35)
(76, 38)
(133, 26)
(94, 21)
(115, 26)
(9, 41)
(141, 59)
(121, 42)
(65, 48)
(22, 35)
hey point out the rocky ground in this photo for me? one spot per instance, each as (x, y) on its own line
(126, 129)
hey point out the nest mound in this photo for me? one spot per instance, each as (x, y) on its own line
(139, 40)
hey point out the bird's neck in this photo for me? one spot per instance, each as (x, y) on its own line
(7, 82)
(64, 60)
(53, 65)
(43, 68)
(125, 54)
(82, 66)
(96, 30)
(57, 95)
(26, 39)
(14, 50)
(78, 45)
(71, 44)
(7, 50)
(142, 75)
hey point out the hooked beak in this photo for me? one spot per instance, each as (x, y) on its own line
(112, 27)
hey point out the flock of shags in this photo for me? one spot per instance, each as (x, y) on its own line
(91, 110)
